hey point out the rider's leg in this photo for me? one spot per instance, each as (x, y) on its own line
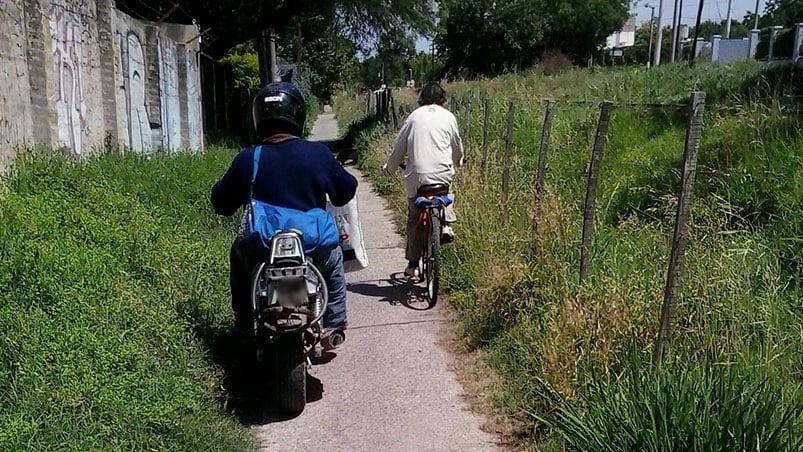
(240, 284)
(448, 232)
(416, 236)
(330, 263)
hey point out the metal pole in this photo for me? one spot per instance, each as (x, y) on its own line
(658, 35)
(675, 31)
(652, 29)
(728, 22)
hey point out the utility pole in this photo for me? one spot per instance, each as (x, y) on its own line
(658, 35)
(678, 44)
(696, 34)
(652, 27)
(755, 27)
(675, 31)
(274, 68)
(728, 22)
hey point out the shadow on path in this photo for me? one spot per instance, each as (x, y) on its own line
(395, 290)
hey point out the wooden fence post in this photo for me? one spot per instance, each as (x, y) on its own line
(392, 109)
(507, 162)
(591, 188)
(484, 157)
(691, 147)
(539, 175)
(467, 121)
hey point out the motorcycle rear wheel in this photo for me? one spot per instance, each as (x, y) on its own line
(291, 369)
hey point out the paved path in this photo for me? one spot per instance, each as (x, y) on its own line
(389, 388)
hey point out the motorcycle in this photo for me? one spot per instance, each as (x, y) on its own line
(289, 298)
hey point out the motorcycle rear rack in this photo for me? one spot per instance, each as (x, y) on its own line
(279, 273)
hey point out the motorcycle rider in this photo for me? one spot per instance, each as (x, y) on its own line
(292, 173)
(431, 141)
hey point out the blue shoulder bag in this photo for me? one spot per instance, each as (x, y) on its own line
(262, 220)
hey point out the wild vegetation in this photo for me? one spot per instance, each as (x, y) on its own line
(113, 293)
(576, 358)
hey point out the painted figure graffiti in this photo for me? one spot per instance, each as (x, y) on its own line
(65, 37)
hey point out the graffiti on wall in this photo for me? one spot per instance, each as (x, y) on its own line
(194, 121)
(136, 127)
(168, 90)
(67, 52)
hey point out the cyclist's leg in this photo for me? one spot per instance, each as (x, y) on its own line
(451, 217)
(416, 234)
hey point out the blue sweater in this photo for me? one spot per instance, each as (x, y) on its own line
(295, 174)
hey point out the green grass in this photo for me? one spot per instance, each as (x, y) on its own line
(553, 339)
(111, 273)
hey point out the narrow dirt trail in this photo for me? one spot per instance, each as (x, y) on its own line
(389, 388)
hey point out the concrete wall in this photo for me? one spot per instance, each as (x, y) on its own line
(76, 74)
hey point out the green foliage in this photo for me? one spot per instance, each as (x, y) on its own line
(739, 305)
(330, 57)
(425, 67)
(488, 37)
(703, 409)
(710, 28)
(108, 270)
(391, 58)
(244, 66)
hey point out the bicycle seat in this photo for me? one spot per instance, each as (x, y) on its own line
(423, 202)
(433, 190)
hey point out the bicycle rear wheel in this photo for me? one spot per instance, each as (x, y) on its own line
(433, 254)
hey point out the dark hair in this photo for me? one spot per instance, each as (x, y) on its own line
(432, 93)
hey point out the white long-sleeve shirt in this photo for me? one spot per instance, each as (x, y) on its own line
(431, 141)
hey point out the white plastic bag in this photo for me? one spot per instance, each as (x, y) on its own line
(347, 219)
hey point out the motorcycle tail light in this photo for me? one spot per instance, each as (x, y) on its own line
(287, 247)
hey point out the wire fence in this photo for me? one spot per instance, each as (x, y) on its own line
(380, 103)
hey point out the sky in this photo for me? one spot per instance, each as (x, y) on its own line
(715, 10)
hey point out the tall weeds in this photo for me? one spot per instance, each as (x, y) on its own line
(553, 338)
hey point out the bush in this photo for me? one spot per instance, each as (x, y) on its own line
(108, 270)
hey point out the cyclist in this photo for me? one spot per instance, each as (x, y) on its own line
(293, 173)
(431, 142)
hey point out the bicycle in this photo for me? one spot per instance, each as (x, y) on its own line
(432, 201)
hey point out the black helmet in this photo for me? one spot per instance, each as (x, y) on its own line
(279, 107)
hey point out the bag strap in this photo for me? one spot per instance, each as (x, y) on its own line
(257, 155)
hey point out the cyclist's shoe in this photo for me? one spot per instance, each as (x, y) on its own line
(411, 272)
(447, 235)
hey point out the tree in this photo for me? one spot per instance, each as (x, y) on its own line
(490, 36)
(317, 44)
(579, 27)
(226, 23)
(425, 67)
(493, 36)
(390, 61)
(782, 12)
